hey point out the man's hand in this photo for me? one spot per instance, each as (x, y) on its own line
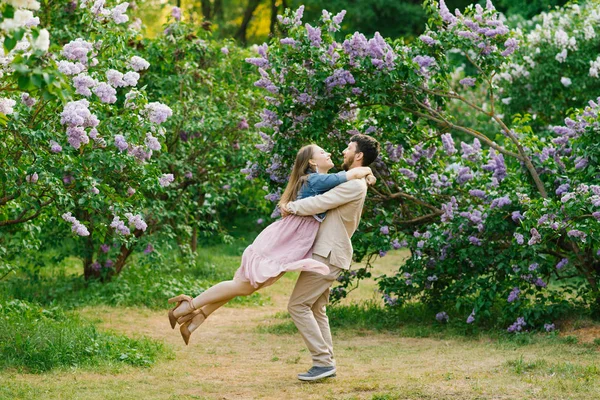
(371, 180)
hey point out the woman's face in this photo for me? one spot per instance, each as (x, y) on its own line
(321, 160)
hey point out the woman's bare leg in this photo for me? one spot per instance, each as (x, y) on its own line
(199, 318)
(220, 293)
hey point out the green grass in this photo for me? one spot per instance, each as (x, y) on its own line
(35, 339)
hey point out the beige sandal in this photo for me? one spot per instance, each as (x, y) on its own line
(179, 299)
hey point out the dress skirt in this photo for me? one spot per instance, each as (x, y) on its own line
(285, 245)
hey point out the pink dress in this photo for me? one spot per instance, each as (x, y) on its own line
(285, 245)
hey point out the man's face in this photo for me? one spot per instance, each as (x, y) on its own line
(349, 155)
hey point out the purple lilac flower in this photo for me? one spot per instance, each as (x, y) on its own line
(137, 221)
(428, 40)
(76, 226)
(55, 147)
(539, 282)
(442, 316)
(477, 193)
(500, 202)
(432, 278)
(396, 244)
(382, 253)
(562, 263)
(549, 327)
(33, 178)
(149, 249)
(314, 35)
(385, 230)
(96, 266)
(152, 142)
(517, 216)
(514, 295)
(119, 226)
(574, 233)
(109, 263)
(408, 173)
(533, 266)
(596, 214)
(497, 165)
(564, 188)
(518, 325)
(105, 248)
(535, 237)
(28, 100)
(519, 238)
(464, 175)
(467, 81)
(448, 209)
(448, 144)
(471, 317)
(121, 143)
(581, 162)
(176, 13)
(389, 300)
(446, 15)
(339, 78)
(166, 179)
(471, 152)
(475, 241)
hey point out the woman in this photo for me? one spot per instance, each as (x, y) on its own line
(285, 245)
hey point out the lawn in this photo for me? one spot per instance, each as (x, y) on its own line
(250, 350)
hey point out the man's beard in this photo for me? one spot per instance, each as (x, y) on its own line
(347, 164)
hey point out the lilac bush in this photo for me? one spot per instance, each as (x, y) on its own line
(476, 205)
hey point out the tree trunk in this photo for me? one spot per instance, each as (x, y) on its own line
(124, 254)
(273, 17)
(206, 9)
(194, 238)
(241, 33)
(218, 11)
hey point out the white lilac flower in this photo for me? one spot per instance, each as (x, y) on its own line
(565, 81)
(6, 106)
(118, 13)
(138, 63)
(158, 112)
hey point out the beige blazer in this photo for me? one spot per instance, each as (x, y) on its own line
(344, 205)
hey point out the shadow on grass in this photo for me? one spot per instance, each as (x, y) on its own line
(417, 321)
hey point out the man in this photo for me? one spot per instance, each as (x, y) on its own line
(332, 247)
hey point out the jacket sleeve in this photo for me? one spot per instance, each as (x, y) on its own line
(321, 183)
(336, 197)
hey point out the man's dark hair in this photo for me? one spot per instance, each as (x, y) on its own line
(368, 146)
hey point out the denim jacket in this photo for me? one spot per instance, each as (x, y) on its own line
(318, 184)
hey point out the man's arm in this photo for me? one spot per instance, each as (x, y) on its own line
(338, 196)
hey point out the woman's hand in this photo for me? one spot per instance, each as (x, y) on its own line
(284, 210)
(371, 180)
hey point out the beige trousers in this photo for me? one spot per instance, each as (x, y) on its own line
(307, 308)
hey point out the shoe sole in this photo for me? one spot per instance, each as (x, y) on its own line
(328, 374)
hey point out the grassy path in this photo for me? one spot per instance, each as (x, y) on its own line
(231, 357)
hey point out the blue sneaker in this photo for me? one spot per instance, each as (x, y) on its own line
(316, 373)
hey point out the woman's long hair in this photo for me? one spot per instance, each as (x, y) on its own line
(299, 174)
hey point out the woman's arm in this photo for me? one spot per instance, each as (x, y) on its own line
(358, 172)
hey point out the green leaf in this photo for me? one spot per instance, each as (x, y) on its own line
(9, 43)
